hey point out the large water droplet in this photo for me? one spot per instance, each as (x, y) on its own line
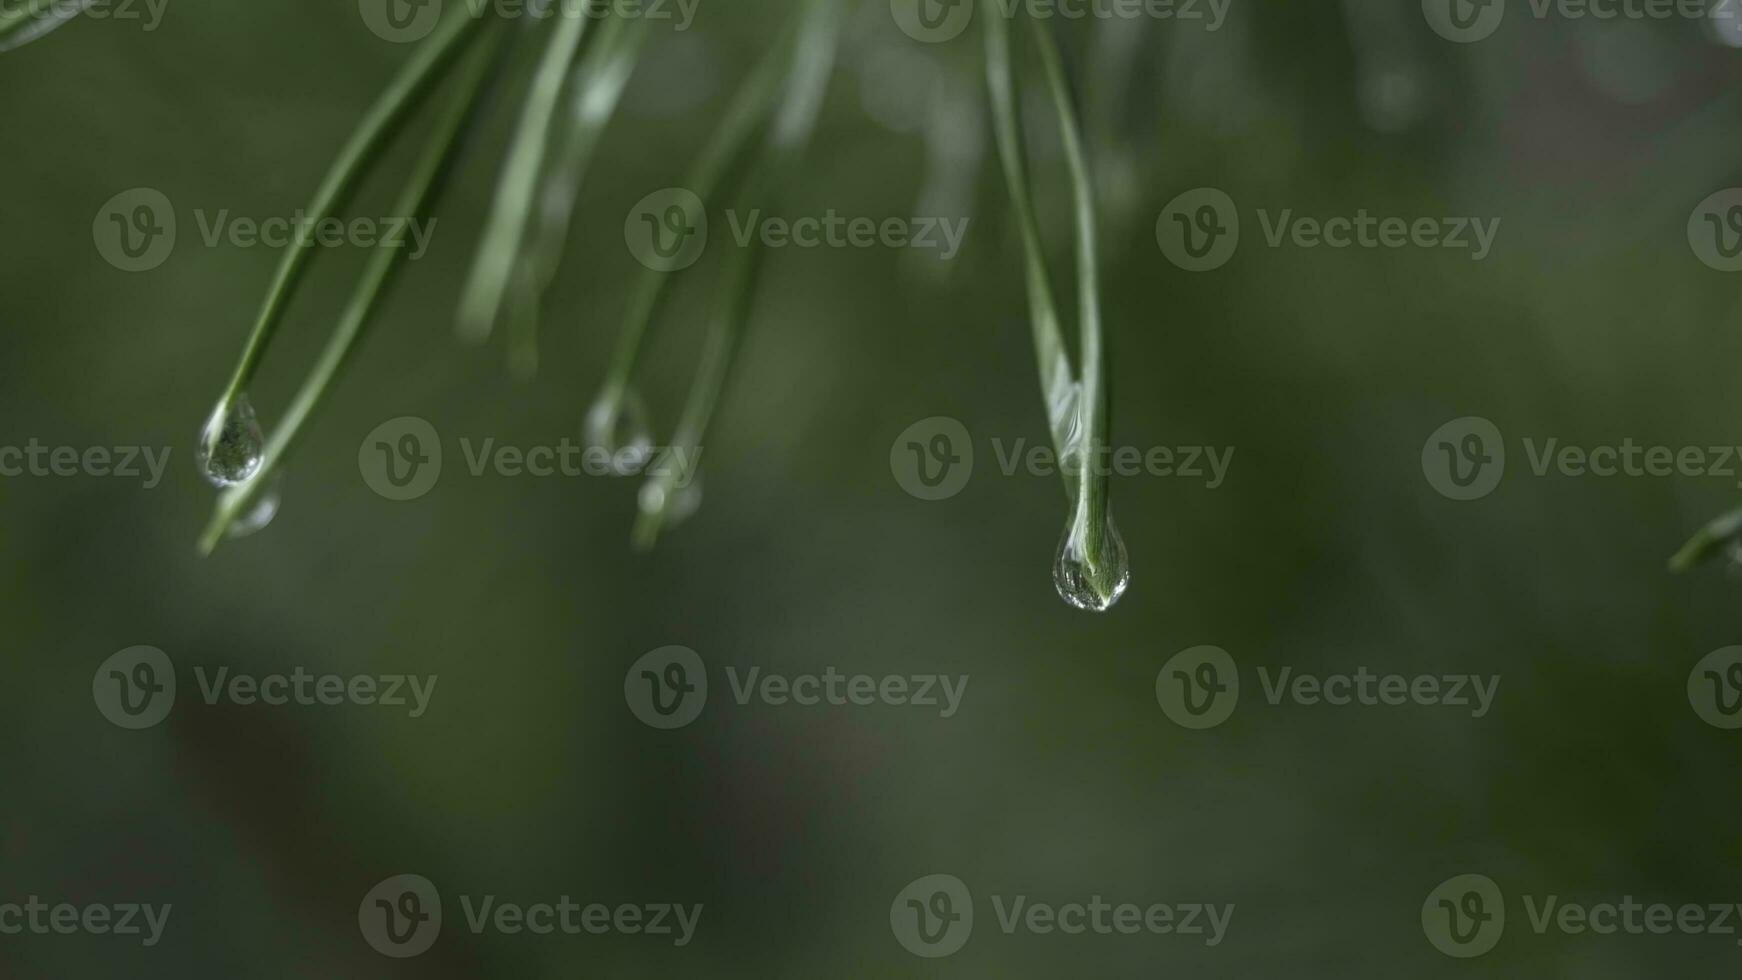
(231, 446)
(617, 423)
(262, 511)
(1094, 587)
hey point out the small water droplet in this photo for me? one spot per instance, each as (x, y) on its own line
(676, 507)
(262, 511)
(232, 445)
(1086, 586)
(617, 423)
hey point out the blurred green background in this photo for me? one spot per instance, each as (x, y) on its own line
(1060, 778)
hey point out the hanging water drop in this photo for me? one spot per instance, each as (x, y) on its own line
(1093, 586)
(262, 511)
(231, 446)
(617, 423)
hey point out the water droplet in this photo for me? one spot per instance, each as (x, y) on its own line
(617, 423)
(262, 511)
(676, 507)
(1093, 587)
(232, 445)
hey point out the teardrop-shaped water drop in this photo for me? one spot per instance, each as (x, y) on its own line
(232, 445)
(261, 511)
(1096, 586)
(617, 423)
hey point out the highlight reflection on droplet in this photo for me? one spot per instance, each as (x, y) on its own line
(232, 445)
(1094, 586)
(262, 511)
(617, 423)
